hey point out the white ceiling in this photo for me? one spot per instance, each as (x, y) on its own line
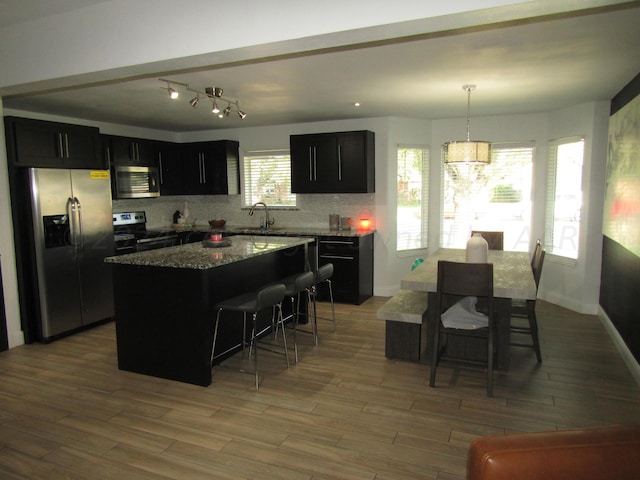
(533, 66)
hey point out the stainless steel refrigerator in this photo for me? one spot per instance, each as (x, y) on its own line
(73, 233)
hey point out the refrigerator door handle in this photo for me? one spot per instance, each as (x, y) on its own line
(70, 216)
(75, 229)
(79, 232)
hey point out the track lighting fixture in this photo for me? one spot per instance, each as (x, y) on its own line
(213, 93)
(467, 151)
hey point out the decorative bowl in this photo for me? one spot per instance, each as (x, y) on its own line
(217, 223)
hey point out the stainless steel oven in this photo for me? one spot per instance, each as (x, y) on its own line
(131, 234)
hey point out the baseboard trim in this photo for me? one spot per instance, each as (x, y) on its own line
(628, 358)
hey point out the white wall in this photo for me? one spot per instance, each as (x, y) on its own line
(7, 249)
(578, 286)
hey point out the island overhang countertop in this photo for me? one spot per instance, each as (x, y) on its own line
(197, 256)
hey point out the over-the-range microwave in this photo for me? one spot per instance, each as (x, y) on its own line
(135, 182)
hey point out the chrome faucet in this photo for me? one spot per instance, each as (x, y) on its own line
(268, 222)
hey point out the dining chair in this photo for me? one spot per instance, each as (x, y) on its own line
(456, 281)
(495, 240)
(527, 308)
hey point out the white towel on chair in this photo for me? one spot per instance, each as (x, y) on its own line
(463, 314)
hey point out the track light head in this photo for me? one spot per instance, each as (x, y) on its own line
(173, 94)
(215, 108)
(227, 111)
(241, 114)
(194, 101)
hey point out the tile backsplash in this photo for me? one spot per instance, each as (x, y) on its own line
(312, 210)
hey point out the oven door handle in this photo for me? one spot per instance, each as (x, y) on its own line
(157, 239)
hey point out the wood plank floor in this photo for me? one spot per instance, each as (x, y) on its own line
(344, 412)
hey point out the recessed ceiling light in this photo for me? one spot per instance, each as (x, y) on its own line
(356, 104)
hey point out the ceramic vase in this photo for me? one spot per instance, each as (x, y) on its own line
(186, 213)
(477, 249)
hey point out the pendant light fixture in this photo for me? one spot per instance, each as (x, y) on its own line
(467, 151)
(213, 93)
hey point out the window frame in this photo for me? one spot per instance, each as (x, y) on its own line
(550, 219)
(424, 199)
(248, 182)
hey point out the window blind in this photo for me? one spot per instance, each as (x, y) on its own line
(267, 178)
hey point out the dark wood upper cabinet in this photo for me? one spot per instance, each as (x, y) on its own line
(200, 168)
(170, 166)
(342, 162)
(132, 151)
(39, 143)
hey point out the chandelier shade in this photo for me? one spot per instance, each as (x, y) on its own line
(467, 151)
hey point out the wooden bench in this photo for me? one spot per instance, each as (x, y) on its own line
(405, 314)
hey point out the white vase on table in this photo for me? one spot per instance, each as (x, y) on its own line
(477, 249)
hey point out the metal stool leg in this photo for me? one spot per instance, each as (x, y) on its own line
(284, 335)
(295, 325)
(215, 335)
(255, 353)
(333, 309)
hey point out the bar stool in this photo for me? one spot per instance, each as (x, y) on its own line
(322, 275)
(269, 296)
(295, 285)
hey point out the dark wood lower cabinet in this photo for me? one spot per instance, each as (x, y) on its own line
(352, 259)
(165, 316)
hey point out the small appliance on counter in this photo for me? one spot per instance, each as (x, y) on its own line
(345, 223)
(334, 221)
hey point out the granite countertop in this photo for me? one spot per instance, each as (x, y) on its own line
(512, 275)
(198, 257)
(274, 231)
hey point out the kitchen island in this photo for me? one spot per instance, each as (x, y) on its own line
(165, 299)
(349, 250)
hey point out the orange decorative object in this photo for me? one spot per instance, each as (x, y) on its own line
(365, 224)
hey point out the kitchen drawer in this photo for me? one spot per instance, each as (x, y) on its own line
(352, 259)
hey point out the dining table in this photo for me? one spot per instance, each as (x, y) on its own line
(512, 280)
